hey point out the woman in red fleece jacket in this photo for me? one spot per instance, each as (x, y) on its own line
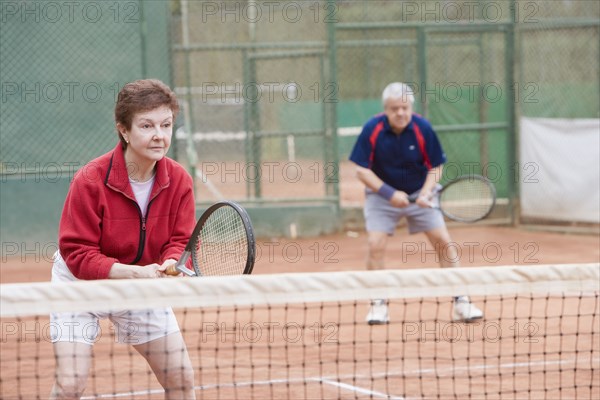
(128, 214)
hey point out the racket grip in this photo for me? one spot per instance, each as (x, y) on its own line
(413, 198)
(172, 270)
(179, 267)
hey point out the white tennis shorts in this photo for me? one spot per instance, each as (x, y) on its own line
(130, 327)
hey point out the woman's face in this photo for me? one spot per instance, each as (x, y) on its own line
(150, 134)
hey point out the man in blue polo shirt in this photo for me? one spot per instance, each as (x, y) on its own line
(397, 155)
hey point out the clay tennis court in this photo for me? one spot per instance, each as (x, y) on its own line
(510, 86)
(327, 351)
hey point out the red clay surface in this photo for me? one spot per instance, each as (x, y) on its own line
(480, 246)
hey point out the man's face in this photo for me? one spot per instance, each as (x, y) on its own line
(399, 113)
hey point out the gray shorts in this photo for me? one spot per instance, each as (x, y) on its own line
(381, 216)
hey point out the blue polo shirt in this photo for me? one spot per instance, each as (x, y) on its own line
(398, 159)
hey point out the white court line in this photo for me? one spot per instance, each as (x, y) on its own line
(356, 389)
(346, 386)
(452, 371)
(334, 380)
(124, 394)
(225, 136)
(209, 185)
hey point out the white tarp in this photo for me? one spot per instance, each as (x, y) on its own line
(560, 169)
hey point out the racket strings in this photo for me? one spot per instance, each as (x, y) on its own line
(468, 200)
(222, 247)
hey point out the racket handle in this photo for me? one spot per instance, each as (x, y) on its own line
(172, 270)
(179, 267)
(413, 199)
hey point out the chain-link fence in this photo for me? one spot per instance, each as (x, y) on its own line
(464, 61)
(558, 78)
(558, 57)
(252, 77)
(274, 94)
(475, 69)
(62, 65)
(456, 58)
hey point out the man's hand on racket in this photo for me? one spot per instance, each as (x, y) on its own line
(399, 199)
(425, 199)
(468, 198)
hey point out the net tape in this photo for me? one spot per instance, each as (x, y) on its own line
(22, 299)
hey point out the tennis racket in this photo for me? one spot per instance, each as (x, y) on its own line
(222, 243)
(469, 198)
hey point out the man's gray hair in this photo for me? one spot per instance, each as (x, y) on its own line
(398, 90)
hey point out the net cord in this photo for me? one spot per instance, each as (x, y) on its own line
(23, 299)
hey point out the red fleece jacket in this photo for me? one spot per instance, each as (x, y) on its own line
(102, 224)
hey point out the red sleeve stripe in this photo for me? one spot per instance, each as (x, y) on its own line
(373, 141)
(421, 142)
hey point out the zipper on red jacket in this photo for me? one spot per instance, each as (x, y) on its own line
(142, 231)
(142, 242)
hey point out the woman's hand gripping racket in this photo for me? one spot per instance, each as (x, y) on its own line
(222, 243)
(466, 199)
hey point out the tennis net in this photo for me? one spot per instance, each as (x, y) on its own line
(304, 335)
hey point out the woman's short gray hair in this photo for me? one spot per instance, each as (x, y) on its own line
(398, 90)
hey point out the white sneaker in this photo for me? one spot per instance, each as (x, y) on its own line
(378, 313)
(465, 311)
